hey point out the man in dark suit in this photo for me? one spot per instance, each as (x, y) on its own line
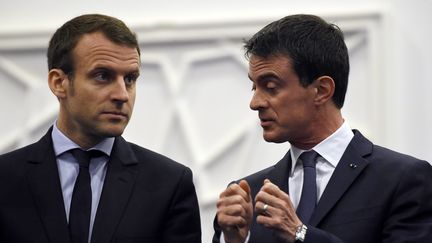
(54, 191)
(333, 185)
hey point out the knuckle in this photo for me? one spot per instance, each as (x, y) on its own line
(232, 187)
(220, 202)
(278, 221)
(240, 199)
(238, 208)
(259, 196)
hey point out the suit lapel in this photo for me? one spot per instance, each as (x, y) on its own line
(279, 175)
(44, 184)
(117, 188)
(348, 169)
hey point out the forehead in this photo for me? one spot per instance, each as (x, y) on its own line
(96, 48)
(278, 65)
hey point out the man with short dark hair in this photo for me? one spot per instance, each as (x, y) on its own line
(333, 185)
(82, 182)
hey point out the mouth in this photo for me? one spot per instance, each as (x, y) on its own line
(265, 122)
(115, 114)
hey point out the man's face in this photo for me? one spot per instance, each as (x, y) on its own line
(285, 108)
(100, 98)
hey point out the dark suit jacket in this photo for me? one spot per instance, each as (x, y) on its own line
(384, 196)
(146, 198)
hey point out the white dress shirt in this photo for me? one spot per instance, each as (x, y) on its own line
(330, 151)
(68, 168)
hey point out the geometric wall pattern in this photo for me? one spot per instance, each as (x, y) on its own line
(192, 97)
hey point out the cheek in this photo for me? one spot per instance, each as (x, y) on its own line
(291, 112)
(89, 104)
(132, 96)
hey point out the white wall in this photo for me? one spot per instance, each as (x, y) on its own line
(409, 81)
(22, 15)
(192, 102)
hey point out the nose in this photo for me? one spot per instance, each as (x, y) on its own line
(257, 102)
(120, 92)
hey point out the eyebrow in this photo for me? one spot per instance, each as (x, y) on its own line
(113, 70)
(264, 77)
(135, 71)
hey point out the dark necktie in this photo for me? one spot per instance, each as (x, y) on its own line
(80, 208)
(308, 197)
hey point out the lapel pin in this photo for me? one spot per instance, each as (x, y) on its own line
(353, 166)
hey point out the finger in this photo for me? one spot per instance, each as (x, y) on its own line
(280, 201)
(265, 197)
(245, 186)
(233, 210)
(262, 208)
(235, 205)
(272, 189)
(228, 221)
(283, 199)
(232, 216)
(231, 200)
(267, 221)
(234, 189)
(249, 206)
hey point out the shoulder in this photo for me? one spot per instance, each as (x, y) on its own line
(383, 153)
(157, 162)
(16, 156)
(32, 151)
(386, 164)
(390, 158)
(14, 165)
(382, 157)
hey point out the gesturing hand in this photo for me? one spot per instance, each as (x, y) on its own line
(279, 214)
(235, 211)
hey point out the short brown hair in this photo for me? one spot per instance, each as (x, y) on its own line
(67, 36)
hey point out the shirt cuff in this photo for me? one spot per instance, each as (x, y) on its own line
(222, 238)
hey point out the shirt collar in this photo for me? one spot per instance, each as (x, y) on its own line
(331, 149)
(62, 143)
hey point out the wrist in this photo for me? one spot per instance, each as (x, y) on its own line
(234, 235)
(300, 234)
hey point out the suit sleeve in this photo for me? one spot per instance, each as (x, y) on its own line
(410, 213)
(217, 231)
(182, 223)
(317, 235)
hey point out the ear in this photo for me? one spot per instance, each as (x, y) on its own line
(58, 82)
(325, 87)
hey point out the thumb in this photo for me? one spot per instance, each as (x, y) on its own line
(245, 186)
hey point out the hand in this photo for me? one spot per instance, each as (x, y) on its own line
(280, 214)
(235, 211)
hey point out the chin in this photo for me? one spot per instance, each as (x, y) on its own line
(113, 131)
(273, 139)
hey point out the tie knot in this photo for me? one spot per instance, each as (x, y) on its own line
(84, 157)
(308, 158)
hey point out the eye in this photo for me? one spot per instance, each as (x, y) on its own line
(130, 79)
(270, 86)
(102, 76)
